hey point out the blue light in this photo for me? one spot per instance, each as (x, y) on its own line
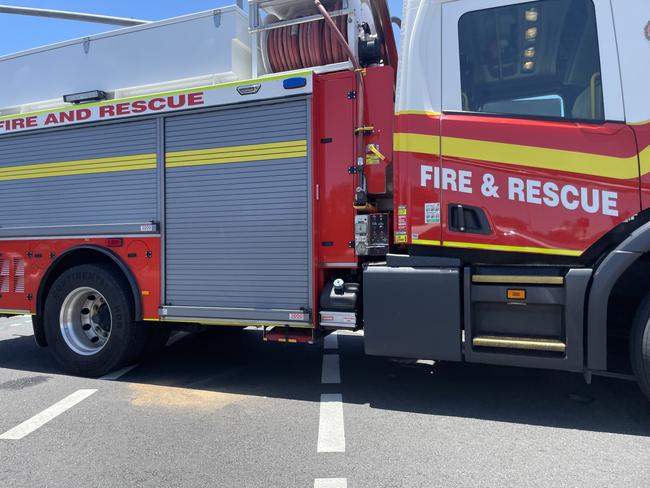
(293, 83)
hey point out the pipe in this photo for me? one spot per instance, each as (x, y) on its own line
(361, 99)
(60, 14)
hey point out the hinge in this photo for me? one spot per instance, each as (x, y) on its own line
(353, 170)
(149, 254)
(30, 254)
(352, 95)
(351, 244)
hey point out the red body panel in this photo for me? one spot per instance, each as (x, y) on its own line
(43, 252)
(333, 118)
(599, 160)
(380, 89)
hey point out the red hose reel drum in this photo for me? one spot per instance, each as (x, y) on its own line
(306, 45)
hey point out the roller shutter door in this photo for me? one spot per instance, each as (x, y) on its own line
(238, 209)
(102, 174)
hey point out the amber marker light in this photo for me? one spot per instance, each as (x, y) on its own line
(516, 294)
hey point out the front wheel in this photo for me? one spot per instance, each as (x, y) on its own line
(89, 321)
(640, 346)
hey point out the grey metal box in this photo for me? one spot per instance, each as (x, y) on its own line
(412, 312)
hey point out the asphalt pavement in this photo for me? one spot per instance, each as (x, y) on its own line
(229, 410)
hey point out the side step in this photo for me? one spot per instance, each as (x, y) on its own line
(291, 335)
(527, 343)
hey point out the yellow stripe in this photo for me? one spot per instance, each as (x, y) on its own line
(495, 247)
(15, 312)
(418, 112)
(530, 156)
(542, 158)
(425, 242)
(165, 94)
(237, 154)
(418, 143)
(79, 167)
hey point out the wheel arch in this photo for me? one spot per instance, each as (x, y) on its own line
(608, 277)
(84, 254)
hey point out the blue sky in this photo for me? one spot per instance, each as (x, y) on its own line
(20, 33)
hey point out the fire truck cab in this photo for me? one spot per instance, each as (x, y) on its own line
(481, 197)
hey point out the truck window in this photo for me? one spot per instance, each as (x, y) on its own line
(536, 59)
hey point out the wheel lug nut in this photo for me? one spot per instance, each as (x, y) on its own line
(85, 311)
(86, 327)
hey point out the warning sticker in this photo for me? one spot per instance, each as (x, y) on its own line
(431, 213)
(401, 237)
(403, 210)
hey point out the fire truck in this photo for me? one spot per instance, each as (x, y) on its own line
(482, 197)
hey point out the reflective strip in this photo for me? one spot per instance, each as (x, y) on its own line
(530, 156)
(495, 247)
(79, 167)
(426, 243)
(418, 143)
(428, 113)
(237, 154)
(518, 280)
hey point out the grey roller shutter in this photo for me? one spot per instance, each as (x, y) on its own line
(85, 176)
(238, 232)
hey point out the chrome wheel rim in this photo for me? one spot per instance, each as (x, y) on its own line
(86, 321)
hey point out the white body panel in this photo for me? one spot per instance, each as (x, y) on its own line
(419, 79)
(632, 25)
(201, 48)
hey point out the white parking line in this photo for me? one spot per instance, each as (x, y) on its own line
(330, 483)
(331, 341)
(331, 373)
(39, 420)
(331, 431)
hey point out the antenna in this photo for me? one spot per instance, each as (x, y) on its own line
(61, 14)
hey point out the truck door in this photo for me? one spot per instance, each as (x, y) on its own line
(533, 129)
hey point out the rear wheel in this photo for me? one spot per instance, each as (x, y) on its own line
(89, 321)
(640, 346)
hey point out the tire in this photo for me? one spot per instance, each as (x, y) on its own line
(640, 346)
(89, 321)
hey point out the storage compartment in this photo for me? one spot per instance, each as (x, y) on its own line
(202, 49)
(540, 314)
(412, 312)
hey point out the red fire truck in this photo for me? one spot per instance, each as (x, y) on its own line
(483, 199)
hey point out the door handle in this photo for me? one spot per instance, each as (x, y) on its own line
(603, 130)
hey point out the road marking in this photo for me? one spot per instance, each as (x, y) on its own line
(39, 420)
(116, 375)
(331, 370)
(331, 432)
(331, 341)
(330, 483)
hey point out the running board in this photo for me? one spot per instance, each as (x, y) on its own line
(552, 345)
